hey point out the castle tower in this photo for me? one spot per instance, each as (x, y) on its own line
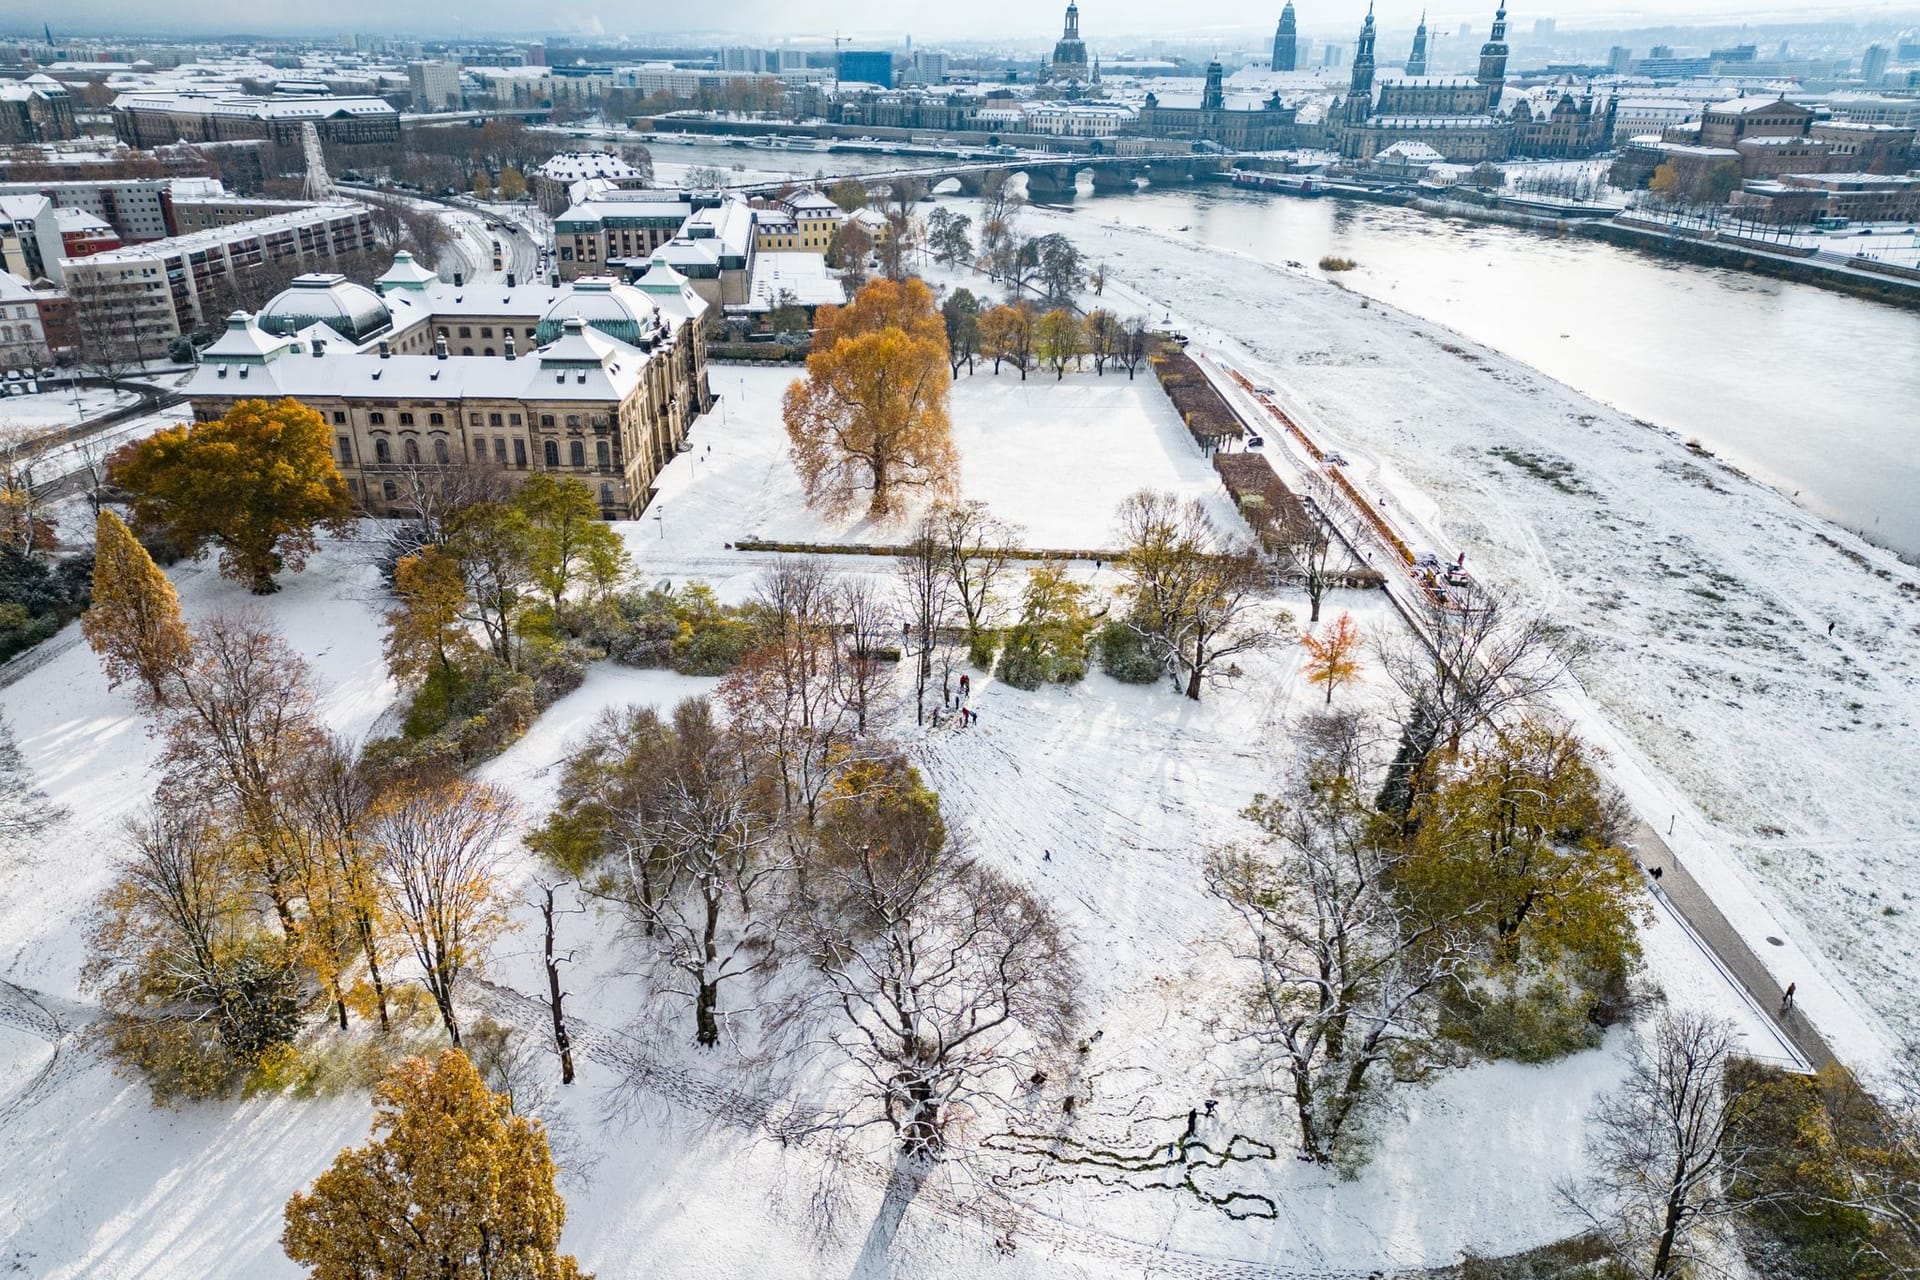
(1360, 89)
(1215, 97)
(1286, 41)
(1417, 62)
(1493, 59)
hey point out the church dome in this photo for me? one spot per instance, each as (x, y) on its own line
(351, 310)
(618, 310)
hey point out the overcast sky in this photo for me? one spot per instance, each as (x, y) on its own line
(1102, 20)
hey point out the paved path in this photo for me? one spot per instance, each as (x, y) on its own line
(1679, 887)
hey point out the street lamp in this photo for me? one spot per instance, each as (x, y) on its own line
(660, 518)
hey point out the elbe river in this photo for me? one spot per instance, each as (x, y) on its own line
(1815, 392)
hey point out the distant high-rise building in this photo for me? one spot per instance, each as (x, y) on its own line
(1331, 55)
(536, 55)
(1619, 58)
(1417, 62)
(1464, 31)
(436, 85)
(1873, 64)
(1543, 27)
(1286, 41)
(866, 66)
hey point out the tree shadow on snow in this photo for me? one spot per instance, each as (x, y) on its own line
(909, 1175)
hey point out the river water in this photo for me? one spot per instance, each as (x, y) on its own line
(1817, 393)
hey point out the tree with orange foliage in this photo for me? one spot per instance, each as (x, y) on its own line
(1006, 333)
(1335, 659)
(871, 418)
(906, 305)
(256, 483)
(454, 1187)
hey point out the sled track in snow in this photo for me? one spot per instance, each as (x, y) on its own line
(34, 1013)
(1002, 1217)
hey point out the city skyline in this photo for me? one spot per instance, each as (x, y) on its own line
(1118, 19)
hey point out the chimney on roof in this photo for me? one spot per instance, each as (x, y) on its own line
(440, 347)
(510, 280)
(511, 354)
(386, 349)
(459, 278)
(319, 347)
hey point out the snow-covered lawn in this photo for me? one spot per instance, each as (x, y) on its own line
(1056, 458)
(1101, 797)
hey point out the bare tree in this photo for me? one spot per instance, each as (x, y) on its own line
(1135, 343)
(106, 333)
(977, 547)
(1662, 1150)
(240, 723)
(1308, 548)
(925, 588)
(860, 670)
(941, 982)
(786, 695)
(439, 852)
(1476, 661)
(1343, 978)
(562, 1042)
(701, 900)
(1196, 595)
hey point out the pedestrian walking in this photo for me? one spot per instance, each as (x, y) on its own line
(1046, 855)
(1211, 1104)
(1655, 872)
(1786, 1001)
(1830, 627)
(1193, 1119)
(966, 684)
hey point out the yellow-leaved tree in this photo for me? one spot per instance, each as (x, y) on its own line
(1334, 659)
(453, 1187)
(134, 623)
(427, 632)
(870, 418)
(256, 483)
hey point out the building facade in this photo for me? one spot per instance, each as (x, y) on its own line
(23, 339)
(1270, 127)
(154, 119)
(152, 293)
(37, 109)
(603, 394)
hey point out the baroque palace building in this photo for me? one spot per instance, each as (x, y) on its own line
(1464, 119)
(595, 379)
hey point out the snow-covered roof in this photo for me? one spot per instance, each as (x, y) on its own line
(573, 166)
(406, 273)
(352, 311)
(580, 365)
(804, 275)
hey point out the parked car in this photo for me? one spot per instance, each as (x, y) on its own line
(1336, 460)
(1263, 391)
(1428, 560)
(1256, 442)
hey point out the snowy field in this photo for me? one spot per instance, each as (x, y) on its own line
(1101, 797)
(1787, 757)
(1055, 458)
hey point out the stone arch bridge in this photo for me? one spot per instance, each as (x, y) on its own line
(1050, 180)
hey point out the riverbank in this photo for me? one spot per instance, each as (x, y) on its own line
(1787, 754)
(1899, 290)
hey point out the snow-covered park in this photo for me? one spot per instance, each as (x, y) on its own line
(24, 417)
(1100, 797)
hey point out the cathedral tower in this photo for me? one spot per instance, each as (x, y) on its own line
(1417, 62)
(1360, 89)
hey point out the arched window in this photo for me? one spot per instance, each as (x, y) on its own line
(440, 451)
(553, 453)
(391, 490)
(381, 454)
(577, 454)
(410, 449)
(606, 454)
(606, 495)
